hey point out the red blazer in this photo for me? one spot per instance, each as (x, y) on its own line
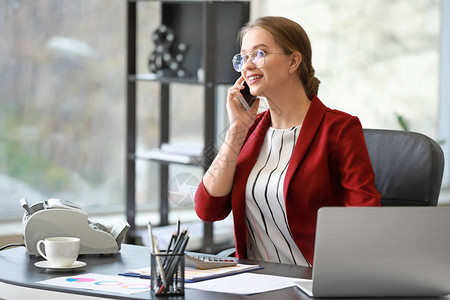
(330, 166)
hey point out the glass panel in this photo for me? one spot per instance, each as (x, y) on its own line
(62, 103)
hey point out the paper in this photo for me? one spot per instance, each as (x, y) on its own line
(245, 284)
(141, 271)
(104, 283)
(192, 274)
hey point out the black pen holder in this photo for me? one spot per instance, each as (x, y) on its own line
(167, 274)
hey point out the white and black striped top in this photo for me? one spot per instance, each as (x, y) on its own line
(268, 235)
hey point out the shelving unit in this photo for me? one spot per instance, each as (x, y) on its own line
(210, 29)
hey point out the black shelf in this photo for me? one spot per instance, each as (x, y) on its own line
(209, 29)
(161, 156)
(155, 78)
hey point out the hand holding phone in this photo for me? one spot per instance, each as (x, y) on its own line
(246, 99)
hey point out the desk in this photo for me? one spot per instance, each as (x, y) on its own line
(17, 272)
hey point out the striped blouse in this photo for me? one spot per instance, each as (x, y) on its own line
(268, 236)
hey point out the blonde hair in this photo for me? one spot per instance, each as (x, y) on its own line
(291, 37)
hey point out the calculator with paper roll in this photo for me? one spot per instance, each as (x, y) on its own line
(202, 261)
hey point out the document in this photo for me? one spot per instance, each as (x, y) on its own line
(99, 282)
(245, 283)
(193, 275)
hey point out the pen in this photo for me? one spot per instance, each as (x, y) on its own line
(135, 275)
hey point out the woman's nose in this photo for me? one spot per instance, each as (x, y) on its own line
(248, 64)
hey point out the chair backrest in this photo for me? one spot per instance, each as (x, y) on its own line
(408, 167)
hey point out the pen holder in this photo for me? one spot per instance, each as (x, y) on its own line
(167, 274)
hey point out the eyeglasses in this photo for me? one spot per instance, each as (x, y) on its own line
(258, 59)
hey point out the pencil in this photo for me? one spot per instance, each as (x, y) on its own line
(172, 238)
(160, 265)
(173, 267)
(176, 247)
(179, 240)
(184, 244)
(150, 235)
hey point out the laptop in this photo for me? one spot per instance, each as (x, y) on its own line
(381, 252)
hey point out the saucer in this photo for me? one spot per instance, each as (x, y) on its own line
(46, 265)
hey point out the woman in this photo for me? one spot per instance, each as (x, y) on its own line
(276, 169)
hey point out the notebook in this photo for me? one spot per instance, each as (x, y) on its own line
(381, 252)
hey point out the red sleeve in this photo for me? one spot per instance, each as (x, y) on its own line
(209, 208)
(355, 170)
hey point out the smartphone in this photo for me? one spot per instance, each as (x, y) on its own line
(247, 99)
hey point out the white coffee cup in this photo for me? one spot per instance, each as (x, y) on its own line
(60, 252)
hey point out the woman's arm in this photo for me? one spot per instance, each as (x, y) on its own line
(212, 199)
(218, 179)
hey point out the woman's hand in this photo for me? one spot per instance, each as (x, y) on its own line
(239, 117)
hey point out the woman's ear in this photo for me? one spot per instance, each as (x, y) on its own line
(296, 59)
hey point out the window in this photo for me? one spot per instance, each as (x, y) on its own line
(62, 106)
(377, 59)
(62, 67)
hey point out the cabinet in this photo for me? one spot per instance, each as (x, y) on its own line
(209, 30)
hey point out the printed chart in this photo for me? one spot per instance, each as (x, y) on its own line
(99, 282)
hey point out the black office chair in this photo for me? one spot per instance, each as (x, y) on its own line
(408, 167)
